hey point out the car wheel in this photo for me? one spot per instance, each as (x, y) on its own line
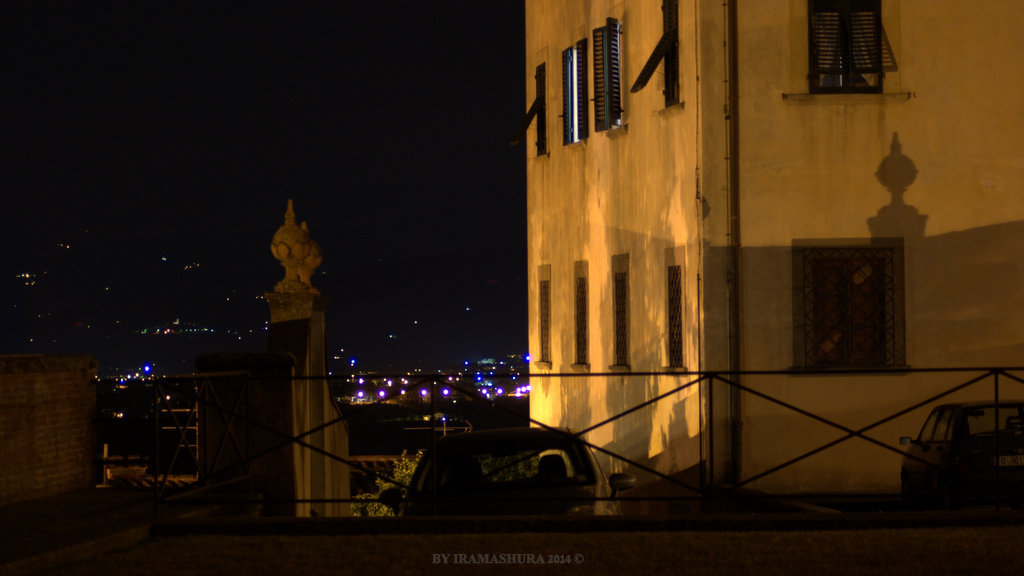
(906, 492)
(951, 498)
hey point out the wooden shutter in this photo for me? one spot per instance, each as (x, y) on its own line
(536, 111)
(582, 100)
(846, 45)
(667, 50)
(865, 24)
(607, 79)
(826, 33)
(542, 131)
(568, 94)
(670, 24)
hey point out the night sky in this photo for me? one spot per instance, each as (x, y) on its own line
(150, 150)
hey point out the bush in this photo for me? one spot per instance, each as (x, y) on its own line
(401, 476)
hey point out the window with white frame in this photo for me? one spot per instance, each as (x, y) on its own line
(574, 93)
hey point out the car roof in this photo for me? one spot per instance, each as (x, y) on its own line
(499, 435)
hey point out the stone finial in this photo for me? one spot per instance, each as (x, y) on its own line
(297, 252)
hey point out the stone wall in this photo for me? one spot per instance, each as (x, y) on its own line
(47, 425)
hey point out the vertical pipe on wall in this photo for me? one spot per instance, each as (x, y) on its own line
(733, 184)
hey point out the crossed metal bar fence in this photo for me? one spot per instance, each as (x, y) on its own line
(192, 392)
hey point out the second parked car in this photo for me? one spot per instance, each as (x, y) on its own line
(966, 451)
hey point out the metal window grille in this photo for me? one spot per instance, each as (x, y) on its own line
(545, 320)
(852, 307)
(675, 316)
(582, 336)
(621, 313)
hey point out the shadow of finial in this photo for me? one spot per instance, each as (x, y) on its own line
(896, 172)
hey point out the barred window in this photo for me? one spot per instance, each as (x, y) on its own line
(667, 51)
(846, 45)
(849, 307)
(607, 76)
(582, 336)
(620, 313)
(675, 316)
(545, 320)
(574, 93)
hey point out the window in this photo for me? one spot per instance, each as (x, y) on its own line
(607, 76)
(574, 93)
(544, 298)
(582, 319)
(667, 50)
(846, 45)
(675, 316)
(849, 307)
(620, 297)
(537, 110)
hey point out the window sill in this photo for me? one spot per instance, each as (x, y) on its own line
(619, 368)
(616, 131)
(675, 369)
(580, 367)
(844, 98)
(543, 365)
(673, 110)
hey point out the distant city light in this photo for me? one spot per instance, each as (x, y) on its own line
(423, 391)
(381, 394)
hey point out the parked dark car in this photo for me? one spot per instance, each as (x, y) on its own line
(967, 451)
(512, 471)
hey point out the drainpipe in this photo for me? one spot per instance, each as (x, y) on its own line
(733, 183)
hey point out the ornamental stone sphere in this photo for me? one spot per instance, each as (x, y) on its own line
(297, 252)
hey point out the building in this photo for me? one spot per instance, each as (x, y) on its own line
(798, 186)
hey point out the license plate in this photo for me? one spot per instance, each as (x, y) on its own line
(1014, 460)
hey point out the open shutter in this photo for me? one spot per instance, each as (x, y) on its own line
(568, 94)
(826, 32)
(607, 79)
(865, 38)
(670, 24)
(582, 99)
(536, 111)
(667, 49)
(542, 130)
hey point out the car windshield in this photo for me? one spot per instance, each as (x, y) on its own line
(982, 419)
(506, 465)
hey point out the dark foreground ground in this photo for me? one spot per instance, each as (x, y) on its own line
(105, 532)
(975, 550)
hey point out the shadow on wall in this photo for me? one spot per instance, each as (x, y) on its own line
(897, 219)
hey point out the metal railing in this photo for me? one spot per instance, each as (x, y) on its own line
(177, 403)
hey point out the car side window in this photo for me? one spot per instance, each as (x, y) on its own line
(929, 427)
(943, 426)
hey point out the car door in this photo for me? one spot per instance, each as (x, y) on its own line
(928, 455)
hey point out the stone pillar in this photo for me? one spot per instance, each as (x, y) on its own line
(297, 329)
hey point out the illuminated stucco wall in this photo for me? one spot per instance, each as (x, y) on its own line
(629, 191)
(808, 174)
